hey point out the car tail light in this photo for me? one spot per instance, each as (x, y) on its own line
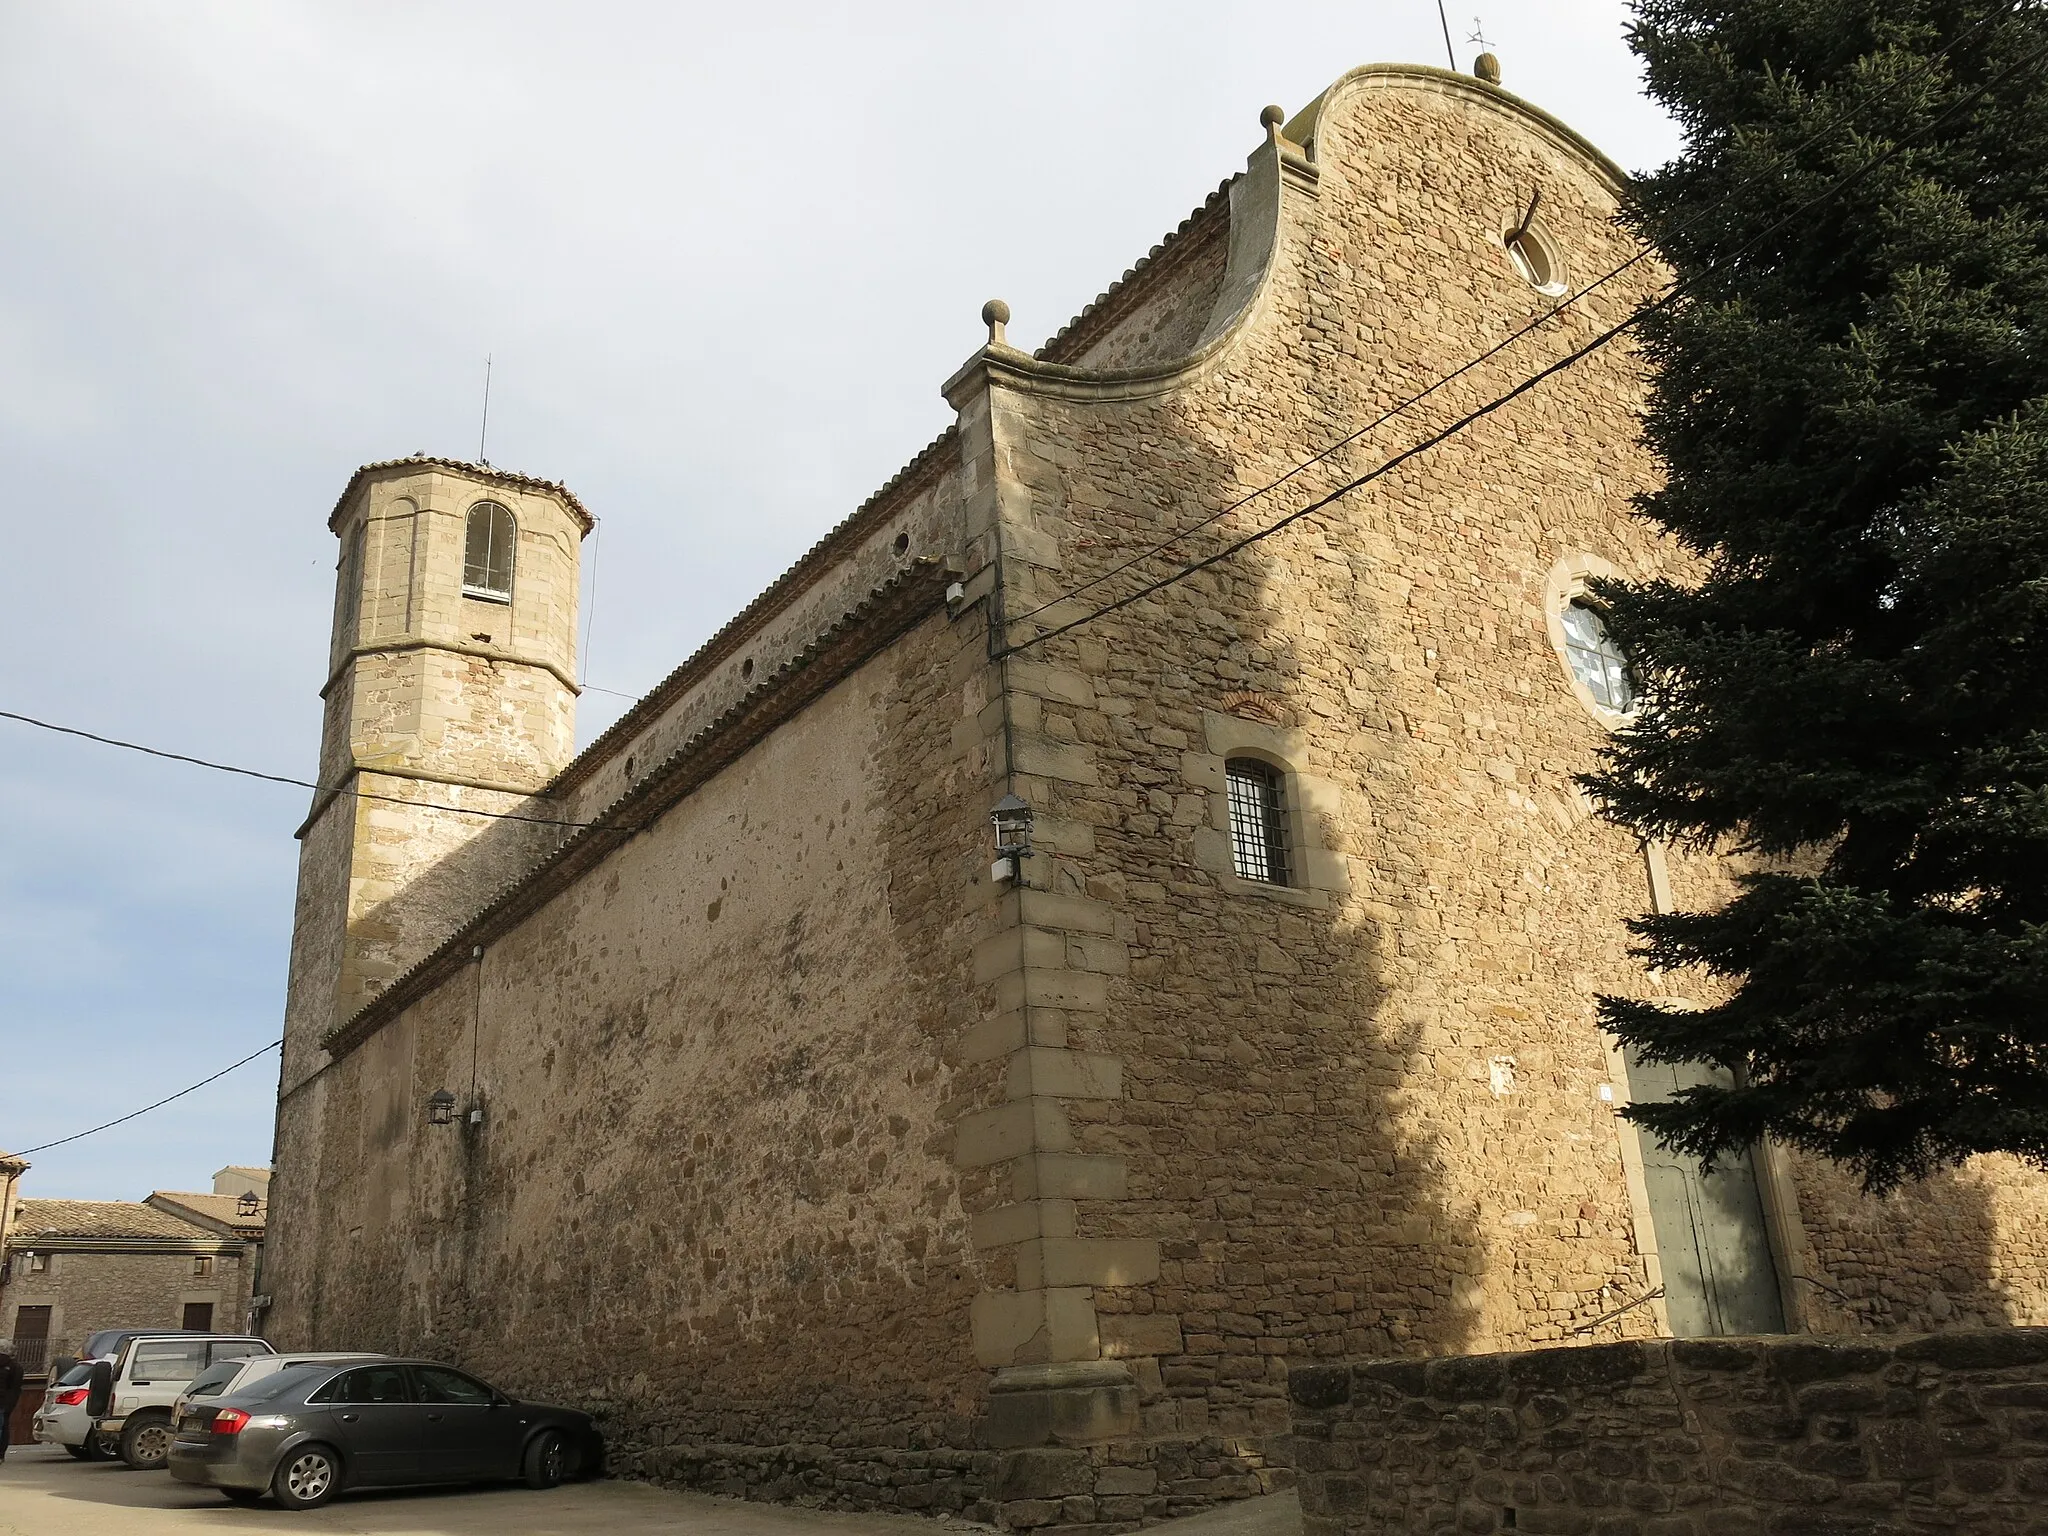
(70, 1397)
(229, 1421)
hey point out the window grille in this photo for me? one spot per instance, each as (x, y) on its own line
(487, 553)
(1258, 822)
(1596, 660)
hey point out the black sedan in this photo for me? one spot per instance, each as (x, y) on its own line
(305, 1433)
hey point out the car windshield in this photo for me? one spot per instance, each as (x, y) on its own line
(105, 1342)
(77, 1376)
(214, 1379)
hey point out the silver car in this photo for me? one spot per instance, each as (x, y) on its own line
(304, 1433)
(63, 1419)
(228, 1378)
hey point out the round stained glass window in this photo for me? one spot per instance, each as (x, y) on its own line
(1596, 661)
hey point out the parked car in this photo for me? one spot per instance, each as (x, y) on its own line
(305, 1433)
(130, 1397)
(63, 1419)
(230, 1377)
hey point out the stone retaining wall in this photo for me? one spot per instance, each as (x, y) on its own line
(1053, 1490)
(1782, 1436)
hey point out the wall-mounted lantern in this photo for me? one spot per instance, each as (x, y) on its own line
(441, 1108)
(1012, 819)
(248, 1205)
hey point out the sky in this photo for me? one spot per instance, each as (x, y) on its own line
(721, 257)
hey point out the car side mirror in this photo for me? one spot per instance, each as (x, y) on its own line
(500, 1400)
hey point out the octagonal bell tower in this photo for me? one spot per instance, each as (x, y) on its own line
(450, 690)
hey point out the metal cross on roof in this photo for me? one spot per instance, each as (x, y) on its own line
(1479, 35)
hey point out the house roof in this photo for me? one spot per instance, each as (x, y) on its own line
(35, 1219)
(206, 1206)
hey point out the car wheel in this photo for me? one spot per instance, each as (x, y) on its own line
(243, 1495)
(98, 1447)
(146, 1442)
(307, 1477)
(83, 1452)
(545, 1455)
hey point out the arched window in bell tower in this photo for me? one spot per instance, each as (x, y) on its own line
(487, 551)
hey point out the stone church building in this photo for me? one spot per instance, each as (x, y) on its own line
(727, 1082)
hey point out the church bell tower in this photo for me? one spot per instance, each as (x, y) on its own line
(450, 690)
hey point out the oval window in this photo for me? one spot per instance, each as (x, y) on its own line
(1535, 262)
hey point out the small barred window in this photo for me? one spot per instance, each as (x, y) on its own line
(1258, 821)
(487, 552)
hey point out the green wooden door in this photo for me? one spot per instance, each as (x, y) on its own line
(1713, 1245)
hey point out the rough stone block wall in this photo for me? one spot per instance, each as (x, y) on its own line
(712, 1198)
(1703, 1437)
(1966, 1248)
(1100, 1490)
(1307, 1128)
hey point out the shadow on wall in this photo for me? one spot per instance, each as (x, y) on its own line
(1936, 1255)
(1269, 1123)
(440, 896)
(713, 1194)
(351, 1263)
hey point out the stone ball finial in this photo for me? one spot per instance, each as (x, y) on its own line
(1270, 118)
(995, 314)
(1487, 68)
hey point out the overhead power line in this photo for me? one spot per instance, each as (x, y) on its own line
(278, 778)
(159, 1104)
(1570, 359)
(1401, 407)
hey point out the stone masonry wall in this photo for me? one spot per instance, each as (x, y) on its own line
(1364, 1113)
(1721, 1437)
(711, 1198)
(1314, 1140)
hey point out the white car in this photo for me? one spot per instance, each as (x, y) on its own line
(131, 1400)
(63, 1420)
(229, 1377)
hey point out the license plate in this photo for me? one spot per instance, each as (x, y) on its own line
(190, 1421)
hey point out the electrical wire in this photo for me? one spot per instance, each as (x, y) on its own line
(1401, 407)
(159, 1104)
(277, 778)
(1570, 359)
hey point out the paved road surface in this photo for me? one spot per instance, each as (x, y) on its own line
(43, 1492)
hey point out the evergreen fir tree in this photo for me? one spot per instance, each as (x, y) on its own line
(1851, 406)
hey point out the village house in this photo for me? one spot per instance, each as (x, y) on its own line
(747, 1092)
(178, 1259)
